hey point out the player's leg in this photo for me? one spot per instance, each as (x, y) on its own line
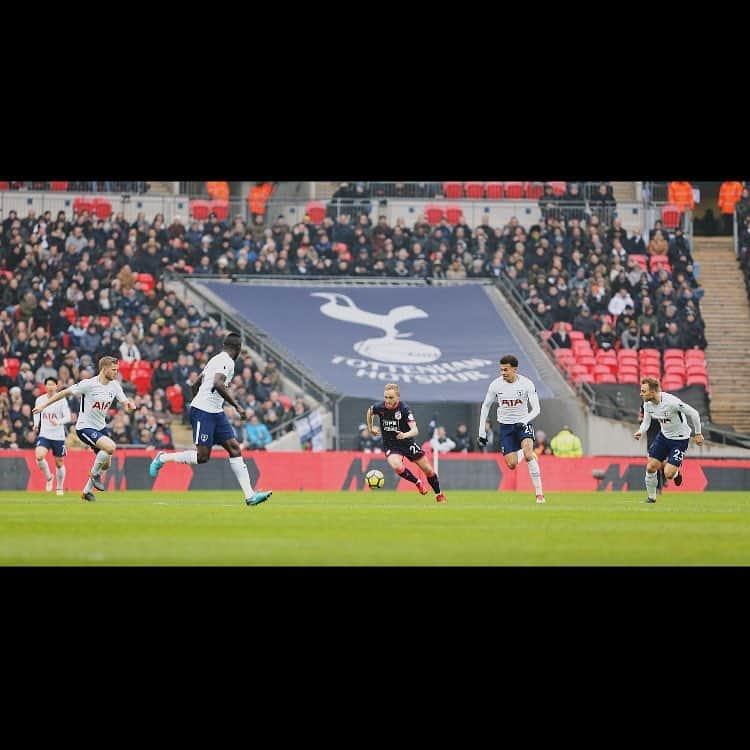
(673, 466)
(41, 462)
(396, 462)
(60, 452)
(199, 421)
(105, 447)
(527, 446)
(239, 468)
(424, 463)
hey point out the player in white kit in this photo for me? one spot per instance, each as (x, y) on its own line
(97, 396)
(671, 443)
(51, 425)
(210, 424)
(514, 393)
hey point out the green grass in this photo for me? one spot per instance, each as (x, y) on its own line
(375, 528)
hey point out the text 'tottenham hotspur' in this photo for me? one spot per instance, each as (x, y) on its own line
(459, 371)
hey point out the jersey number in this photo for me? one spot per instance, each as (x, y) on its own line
(677, 454)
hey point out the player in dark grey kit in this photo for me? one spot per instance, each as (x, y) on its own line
(399, 429)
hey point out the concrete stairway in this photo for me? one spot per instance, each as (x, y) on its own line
(624, 191)
(726, 312)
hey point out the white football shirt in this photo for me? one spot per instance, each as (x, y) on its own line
(52, 429)
(96, 401)
(513, 401)
(670, 412)
(207, 399)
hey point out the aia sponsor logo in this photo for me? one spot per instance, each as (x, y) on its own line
(103, 405)
(511, 402)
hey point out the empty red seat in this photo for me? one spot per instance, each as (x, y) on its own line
(575, 335)
(12, 366)
(697, 380)
(674, 353)
(286, 402)
(604, 377)
(672, 365)
(143, 364)
(513, 190)
(85, 320)
(584, 377)
(4, 185)
(656, 260)
(627, 355)
(83, 204)
(696, 368)
(670, 215)
(588, 360)
(494, 190)
(627, 370)
(672, 383)
(453, 214)
(474, 190)
(433, 214)
(628, 377)
(59, 185)
(695, 355)
(558, 188)
(453, 190)
(70, 313)
(124, 367)
(147, 281)
(175, 398)
(641, 260)
(220, 208)
(102, 208)
(316, 211)
(564, 354)
(648, 354)
(199, 209)
(534, 190)
(142, 381)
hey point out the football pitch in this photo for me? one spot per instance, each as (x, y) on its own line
(375, 529)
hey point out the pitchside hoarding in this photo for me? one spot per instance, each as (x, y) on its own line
(438, 343)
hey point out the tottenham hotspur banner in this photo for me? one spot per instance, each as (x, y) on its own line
(438, 343)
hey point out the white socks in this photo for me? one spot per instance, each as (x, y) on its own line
(536, 477)
(182, 457)
(101, 458)
(238, 466)
(60, 472)
(651, 481)
(89, 486)
(42, 464)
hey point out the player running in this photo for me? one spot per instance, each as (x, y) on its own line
(514, 393)
(52, 435)
(399, 429)
(210, 424)
(97, 396)
(672, 442)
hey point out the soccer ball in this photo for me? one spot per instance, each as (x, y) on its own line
(374, 479)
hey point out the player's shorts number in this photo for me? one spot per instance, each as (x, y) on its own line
(677, 454)
(413, 448)
(528, 429)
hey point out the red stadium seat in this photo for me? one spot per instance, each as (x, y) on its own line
(564, 354)
(220, 208)
(474, 190)
(582, 348)
(672, 383)
(176, 401)
(585, 377)
(125, 368)
(694, 355)
(85, 320)
(494, 190)
(558, 188)
(575, 335)
(453, 190)
(60, 185)
(199, 209)
(12, 366)
(146, 280)
(513, 190)
(316, 211)
(628, 377)
(588, 361)
(70, 314)
(453, 214)
(655, 260)
(102, 208)
(603, 377)
(697, 380)
(143, 364)
(696, 368)
(641, 260)
(142, 381)
(433, 214)
(670, 216)
(545, 335)
(649, 354)
(286, 402)
(4, 185)
(674, 353)
(627, 355)
(533, 190)
(674, 366)
(627, 370)
(104, 320)
(83, 204)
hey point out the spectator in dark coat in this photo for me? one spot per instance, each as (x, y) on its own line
(561, 336)
(584, 322)
(605, 337)
(463, 440)
(646, 339)
(162, 377)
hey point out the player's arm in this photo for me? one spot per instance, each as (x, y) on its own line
(370, 426)
(37, 415)
(66, 415)
(644, 425)
(120, 394)
(195, 387)
(221, 388)
(693, 415)
(60, 394)
(412, 433)
(488, 399)
(535, 407)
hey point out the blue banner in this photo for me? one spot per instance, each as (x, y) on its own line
(437, 343)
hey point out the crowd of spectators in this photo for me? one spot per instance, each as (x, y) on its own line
(78, 186)
(71, 291)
